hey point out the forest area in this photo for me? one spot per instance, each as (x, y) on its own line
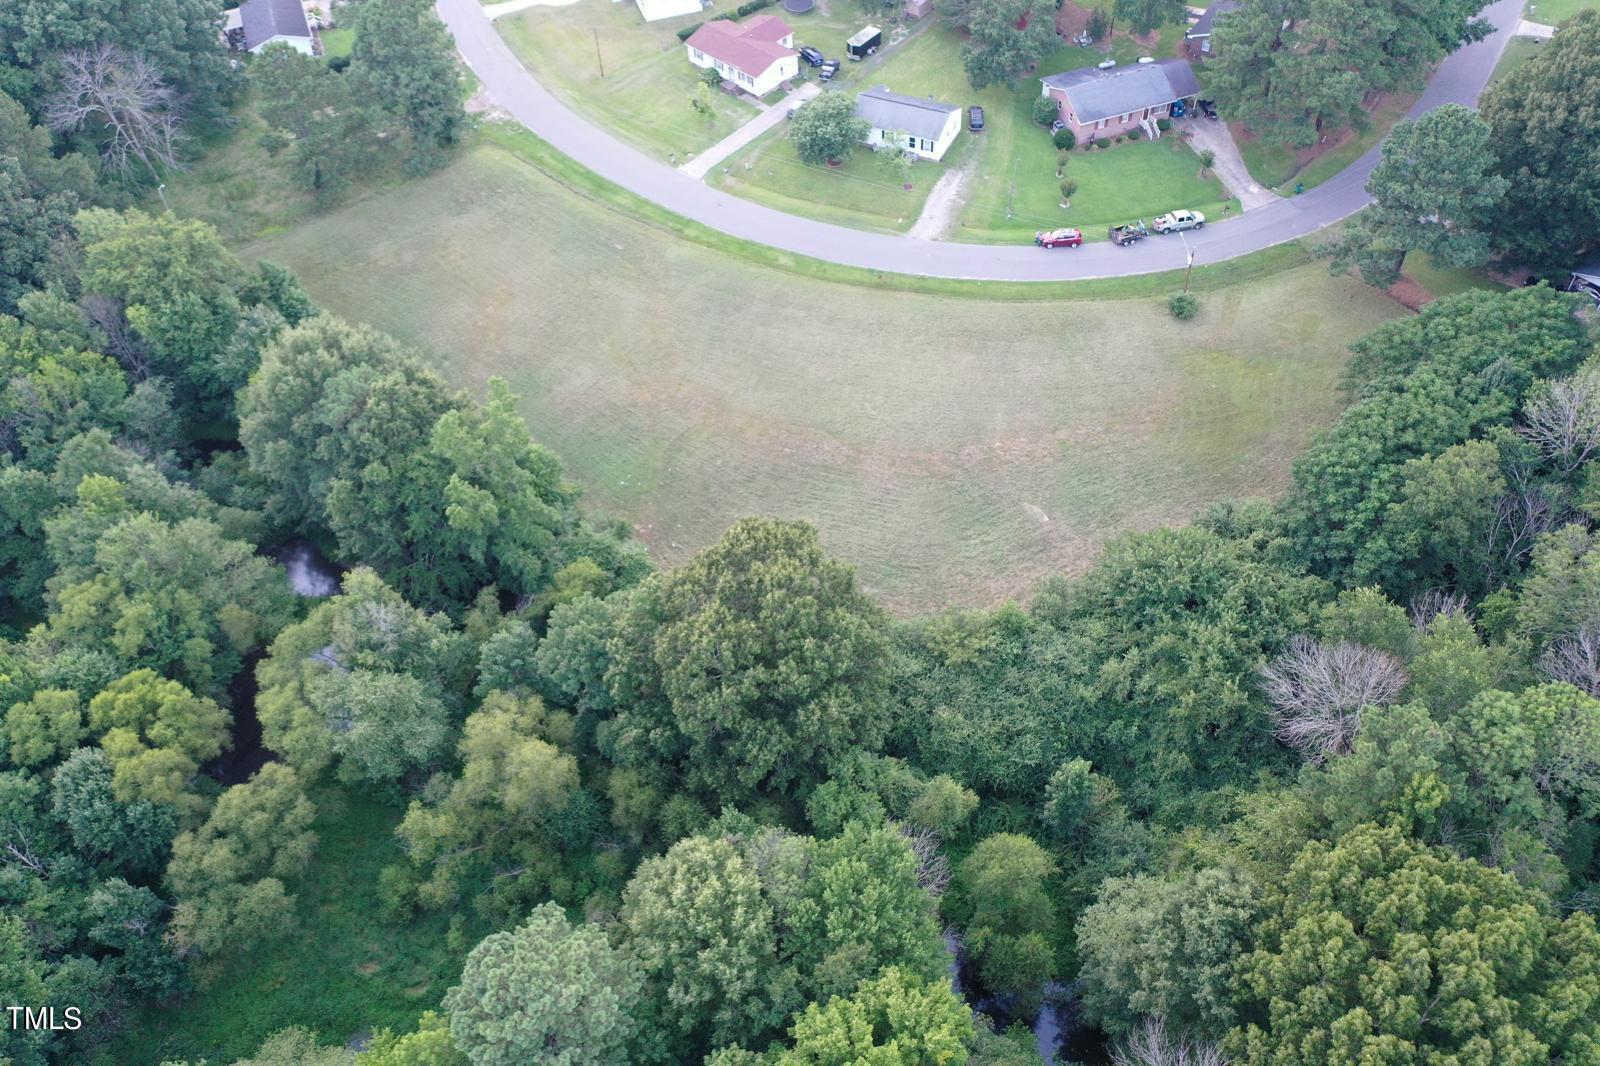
(1313, 780)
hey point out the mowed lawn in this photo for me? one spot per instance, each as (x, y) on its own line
(627, 75)
(957, 450)
(1555, 12)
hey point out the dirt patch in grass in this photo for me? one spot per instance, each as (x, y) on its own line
(957, 451)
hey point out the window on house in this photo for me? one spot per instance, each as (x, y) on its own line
(698, 54)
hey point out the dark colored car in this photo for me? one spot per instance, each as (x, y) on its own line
(1178, 109)
(1208, 108)
(975, 119)
(811, 55)
(828, 69)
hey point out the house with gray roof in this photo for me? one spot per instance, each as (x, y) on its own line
(265, 22)
(1097, 103)
(924, 126)
(1199, 35)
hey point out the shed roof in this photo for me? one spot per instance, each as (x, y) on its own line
(751, 46)
(920, 117)
(1207, 21)
(1096, 94)
(1589, 270)
(263, 20)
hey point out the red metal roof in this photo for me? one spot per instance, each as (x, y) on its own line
(751, 46)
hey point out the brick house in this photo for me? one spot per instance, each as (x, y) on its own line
(757, 55)
(1096, 103)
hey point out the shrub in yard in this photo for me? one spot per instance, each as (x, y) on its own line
(688, 31)
(1120, 138)
(1183, 305)
(750, 8)
(1065, 139)
(1102, 144)
(1044, 110)
(1163, 124)
(710, 76)
(1099, 24)
(1207, 157)
(1134, 135)
(1068, 187)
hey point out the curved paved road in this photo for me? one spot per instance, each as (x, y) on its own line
(1459, 80)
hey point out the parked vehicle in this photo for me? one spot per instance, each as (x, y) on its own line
(1105, 64)
(810, 55)
(1179, 109)
(866, 42)
(1082, 39)
(1059, 238)
(828, 70)
(1173, 221)
(975, 119)
(1208, 108)
(1057, 126)
(1126, 235)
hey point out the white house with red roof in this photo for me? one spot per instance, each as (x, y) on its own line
(756, 55)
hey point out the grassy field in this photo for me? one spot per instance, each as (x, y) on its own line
(1555, 12)
(342, 971)
(648, 81)
(1447, 281)
(957, 450)
(1518, 51)
(337, 42)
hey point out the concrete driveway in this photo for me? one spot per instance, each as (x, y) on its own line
(1227, 164)
(1459, 79)
(701, 165)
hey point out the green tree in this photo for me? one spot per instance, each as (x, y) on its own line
(175, 285)
(545, 992)
(751, 667)
(366, 679)
(1561, 593)
(179, 599)
(861, 909)
(1006, 37)
(1442, 377)
(827, 129)
(52, 394)
(329, 401)
(429, 1045)
(703, 937)
(406, 61)
(1165, 947)
(1441, 526)
(1549, 152)
(135, 834)
(1010, 917)
(893, 1019)
(1433, 192)
(156, 733)
(316, 107)
(229, 874)
(297, 1046)
(1146, 15)
(514, 779)
(44, 729)
(1378, 948)
(1296, 70)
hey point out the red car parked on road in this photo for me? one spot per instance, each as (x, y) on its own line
(1059, 238)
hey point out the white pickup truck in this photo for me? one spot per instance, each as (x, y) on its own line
(1174, 221)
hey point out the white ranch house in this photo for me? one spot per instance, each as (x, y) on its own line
(656, 10)
(924, 126)
(757, 55)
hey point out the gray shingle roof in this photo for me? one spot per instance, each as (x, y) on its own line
(1097, 94)
(915, 115)
(265, 19)
(1207, 21)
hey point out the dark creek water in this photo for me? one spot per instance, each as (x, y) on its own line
(311, 575)
(1057, 1035)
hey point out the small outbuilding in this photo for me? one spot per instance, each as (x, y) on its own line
(916, 9)
(923, 126)
(1586, 279)
(264, 22)
(656, 10)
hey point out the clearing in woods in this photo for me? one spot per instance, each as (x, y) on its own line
(957, 450)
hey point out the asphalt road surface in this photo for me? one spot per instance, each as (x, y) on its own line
(1459, 79)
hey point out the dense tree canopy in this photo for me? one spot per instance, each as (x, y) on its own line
(1547, 146)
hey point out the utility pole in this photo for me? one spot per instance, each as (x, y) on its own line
(1189, 269)
(597, 59)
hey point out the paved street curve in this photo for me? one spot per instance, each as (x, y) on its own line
(1459, 79)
